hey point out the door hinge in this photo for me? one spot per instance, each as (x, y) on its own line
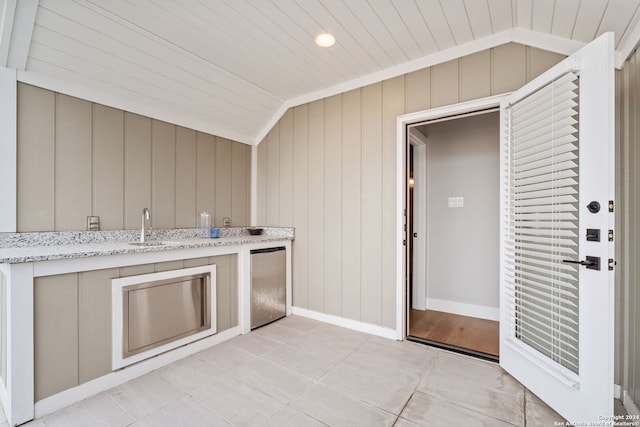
(404, 242)
(610, 205)
(610, 235)
(612, 264)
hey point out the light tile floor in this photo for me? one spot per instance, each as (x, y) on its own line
(298, 372)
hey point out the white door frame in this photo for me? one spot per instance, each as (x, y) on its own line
(420, 193)
(401, 189)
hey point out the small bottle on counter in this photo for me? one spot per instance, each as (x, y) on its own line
(215, 233)
(205, 224)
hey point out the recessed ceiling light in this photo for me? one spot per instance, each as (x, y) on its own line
(325, 40)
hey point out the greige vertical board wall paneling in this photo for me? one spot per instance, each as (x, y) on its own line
(445, 84)
(418, 85)
(168, 266)
(629, 277)
(273, 176)
(108, 167)
(137, 168)
(163, 174)
(262, 183)
(633, 307)
(360, 156)
(633, 293)
(393, 94)
(371, 220)
(509, 68)
(333, 205)
(475, 76)
(285, 210)
(300, 206)
(315, 220)
(94, 323)
(186, 155)
(72, 162)
(626, 233)
(205, 174)
(240, 184)
(36, 154)
(77, 158)
(351, 203)
(55, 331)
(539, 61)
(222, 181)
(226, 295)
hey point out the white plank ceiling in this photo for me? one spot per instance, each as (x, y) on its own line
(232, 67)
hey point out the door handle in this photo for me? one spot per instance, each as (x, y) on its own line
(592, 262)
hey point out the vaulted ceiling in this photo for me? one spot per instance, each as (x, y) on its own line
(233, 67)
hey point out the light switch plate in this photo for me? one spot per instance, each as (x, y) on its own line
(456, 202)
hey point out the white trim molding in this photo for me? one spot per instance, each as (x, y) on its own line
(102, 93)
(402, 122)
(355, 325)
(629, 404)
(517, 35)
(463, 309)
(8, 149)
(24, 19)
(115, 378)
(118, 290)
(7, 15)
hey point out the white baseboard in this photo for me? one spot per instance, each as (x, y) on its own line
(356, 325)
(471, 310)
(115, 378)
(629, 404)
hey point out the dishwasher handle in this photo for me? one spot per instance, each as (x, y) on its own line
(267, 250)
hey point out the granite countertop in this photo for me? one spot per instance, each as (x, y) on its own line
(30, 247)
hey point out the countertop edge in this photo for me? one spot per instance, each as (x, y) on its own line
(49, 252)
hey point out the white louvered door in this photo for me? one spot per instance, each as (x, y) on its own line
(556, 324)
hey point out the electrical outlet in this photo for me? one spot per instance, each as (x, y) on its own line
(93, 223)
(456, 202)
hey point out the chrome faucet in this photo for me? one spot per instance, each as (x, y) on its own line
(146, 216)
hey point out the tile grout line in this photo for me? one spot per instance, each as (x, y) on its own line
(405, 404)
(524, 407)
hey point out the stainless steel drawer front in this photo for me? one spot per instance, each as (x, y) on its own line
(162, 311)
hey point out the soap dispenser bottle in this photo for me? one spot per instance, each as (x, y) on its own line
(205, 224)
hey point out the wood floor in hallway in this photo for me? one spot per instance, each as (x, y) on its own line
(461, 331)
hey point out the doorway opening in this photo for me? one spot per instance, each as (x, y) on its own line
(453, 206)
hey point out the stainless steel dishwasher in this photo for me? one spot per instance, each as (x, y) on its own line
(268, 285)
